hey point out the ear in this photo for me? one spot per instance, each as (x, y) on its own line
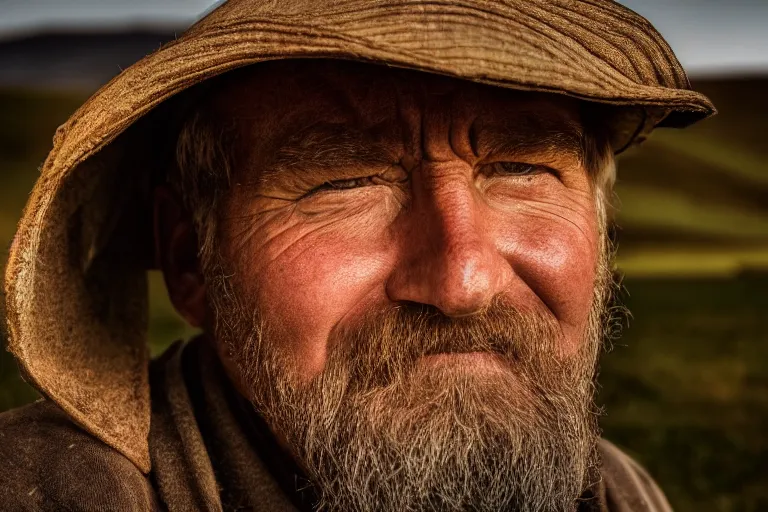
(176, 251)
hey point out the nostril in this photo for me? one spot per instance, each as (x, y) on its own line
(466, 313)
(460, 309)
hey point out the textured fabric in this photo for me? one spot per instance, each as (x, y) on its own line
(76, 294)
(241, 480)
(204, 456)
(626, 486)
(49, 464)
(244, 453)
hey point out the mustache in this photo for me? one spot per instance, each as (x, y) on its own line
(389, 342)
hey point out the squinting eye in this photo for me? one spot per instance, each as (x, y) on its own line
(343, 184)
(514, 169)
(394, 175)
(351, 183)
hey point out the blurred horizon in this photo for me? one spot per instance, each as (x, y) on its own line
(709, 39)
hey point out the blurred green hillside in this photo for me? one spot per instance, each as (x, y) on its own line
(695, 202)
(686, 387)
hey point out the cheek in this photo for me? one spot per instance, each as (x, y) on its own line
(552, 246)
(310, 271)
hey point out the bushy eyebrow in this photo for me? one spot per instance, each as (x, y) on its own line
(531, 133)
(326, 147)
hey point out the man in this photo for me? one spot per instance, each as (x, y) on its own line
(389, 221)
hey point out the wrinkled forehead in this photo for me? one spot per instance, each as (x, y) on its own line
(275, 99)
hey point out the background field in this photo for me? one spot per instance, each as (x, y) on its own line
(686, 388)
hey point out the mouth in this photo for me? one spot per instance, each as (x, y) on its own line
(488, 347)
(468, 360)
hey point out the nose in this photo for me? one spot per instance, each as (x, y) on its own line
(448, 257)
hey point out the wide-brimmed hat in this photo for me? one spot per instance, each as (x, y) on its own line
(76, 292)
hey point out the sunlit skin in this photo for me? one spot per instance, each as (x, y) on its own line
(357, 187)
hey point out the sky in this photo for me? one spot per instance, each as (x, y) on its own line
(708, 36)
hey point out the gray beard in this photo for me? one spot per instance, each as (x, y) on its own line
(446, 441)
(376, 430)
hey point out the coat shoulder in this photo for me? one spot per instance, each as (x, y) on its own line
(627, 486)
(48, 463)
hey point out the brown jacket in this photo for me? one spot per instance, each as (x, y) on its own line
(206, 455)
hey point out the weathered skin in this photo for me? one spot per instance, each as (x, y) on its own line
(419, 211)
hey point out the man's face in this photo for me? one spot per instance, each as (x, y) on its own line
(407, 283)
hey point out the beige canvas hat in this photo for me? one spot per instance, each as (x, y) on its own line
(76, 292)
